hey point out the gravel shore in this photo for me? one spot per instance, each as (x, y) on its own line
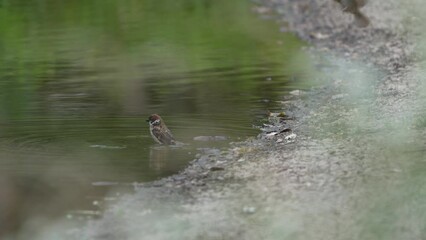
(336, 166)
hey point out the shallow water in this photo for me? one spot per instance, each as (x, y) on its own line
(79, 78)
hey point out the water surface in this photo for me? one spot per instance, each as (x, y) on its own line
(79, 78)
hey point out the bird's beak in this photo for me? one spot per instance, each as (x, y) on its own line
(147, 120)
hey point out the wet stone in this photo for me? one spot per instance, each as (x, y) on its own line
(210, 138)
(297, 93)
(217, 169)
(249, 209)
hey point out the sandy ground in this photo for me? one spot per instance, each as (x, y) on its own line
(350, 168)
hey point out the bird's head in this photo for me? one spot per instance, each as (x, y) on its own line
(154, 120)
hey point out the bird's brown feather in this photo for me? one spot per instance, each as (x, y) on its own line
(163, 135)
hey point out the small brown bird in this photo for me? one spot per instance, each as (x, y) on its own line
(159, 131)
(353, 6)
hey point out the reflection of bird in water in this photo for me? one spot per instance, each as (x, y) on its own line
(158, 158)
(353, 6)
(159, 131)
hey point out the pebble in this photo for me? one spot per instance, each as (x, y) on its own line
(338, 96)
(210, 138)
(270, 135)
(291, 137)
(217, 169)
(296, 92)
(249, 209)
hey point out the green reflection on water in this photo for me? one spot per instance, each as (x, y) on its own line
(133, 55)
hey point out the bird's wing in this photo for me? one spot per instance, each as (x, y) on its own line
(164, 135)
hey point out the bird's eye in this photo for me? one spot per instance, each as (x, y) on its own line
(156, 122)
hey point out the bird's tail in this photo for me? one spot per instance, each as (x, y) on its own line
(361, 20)
(361, 3)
